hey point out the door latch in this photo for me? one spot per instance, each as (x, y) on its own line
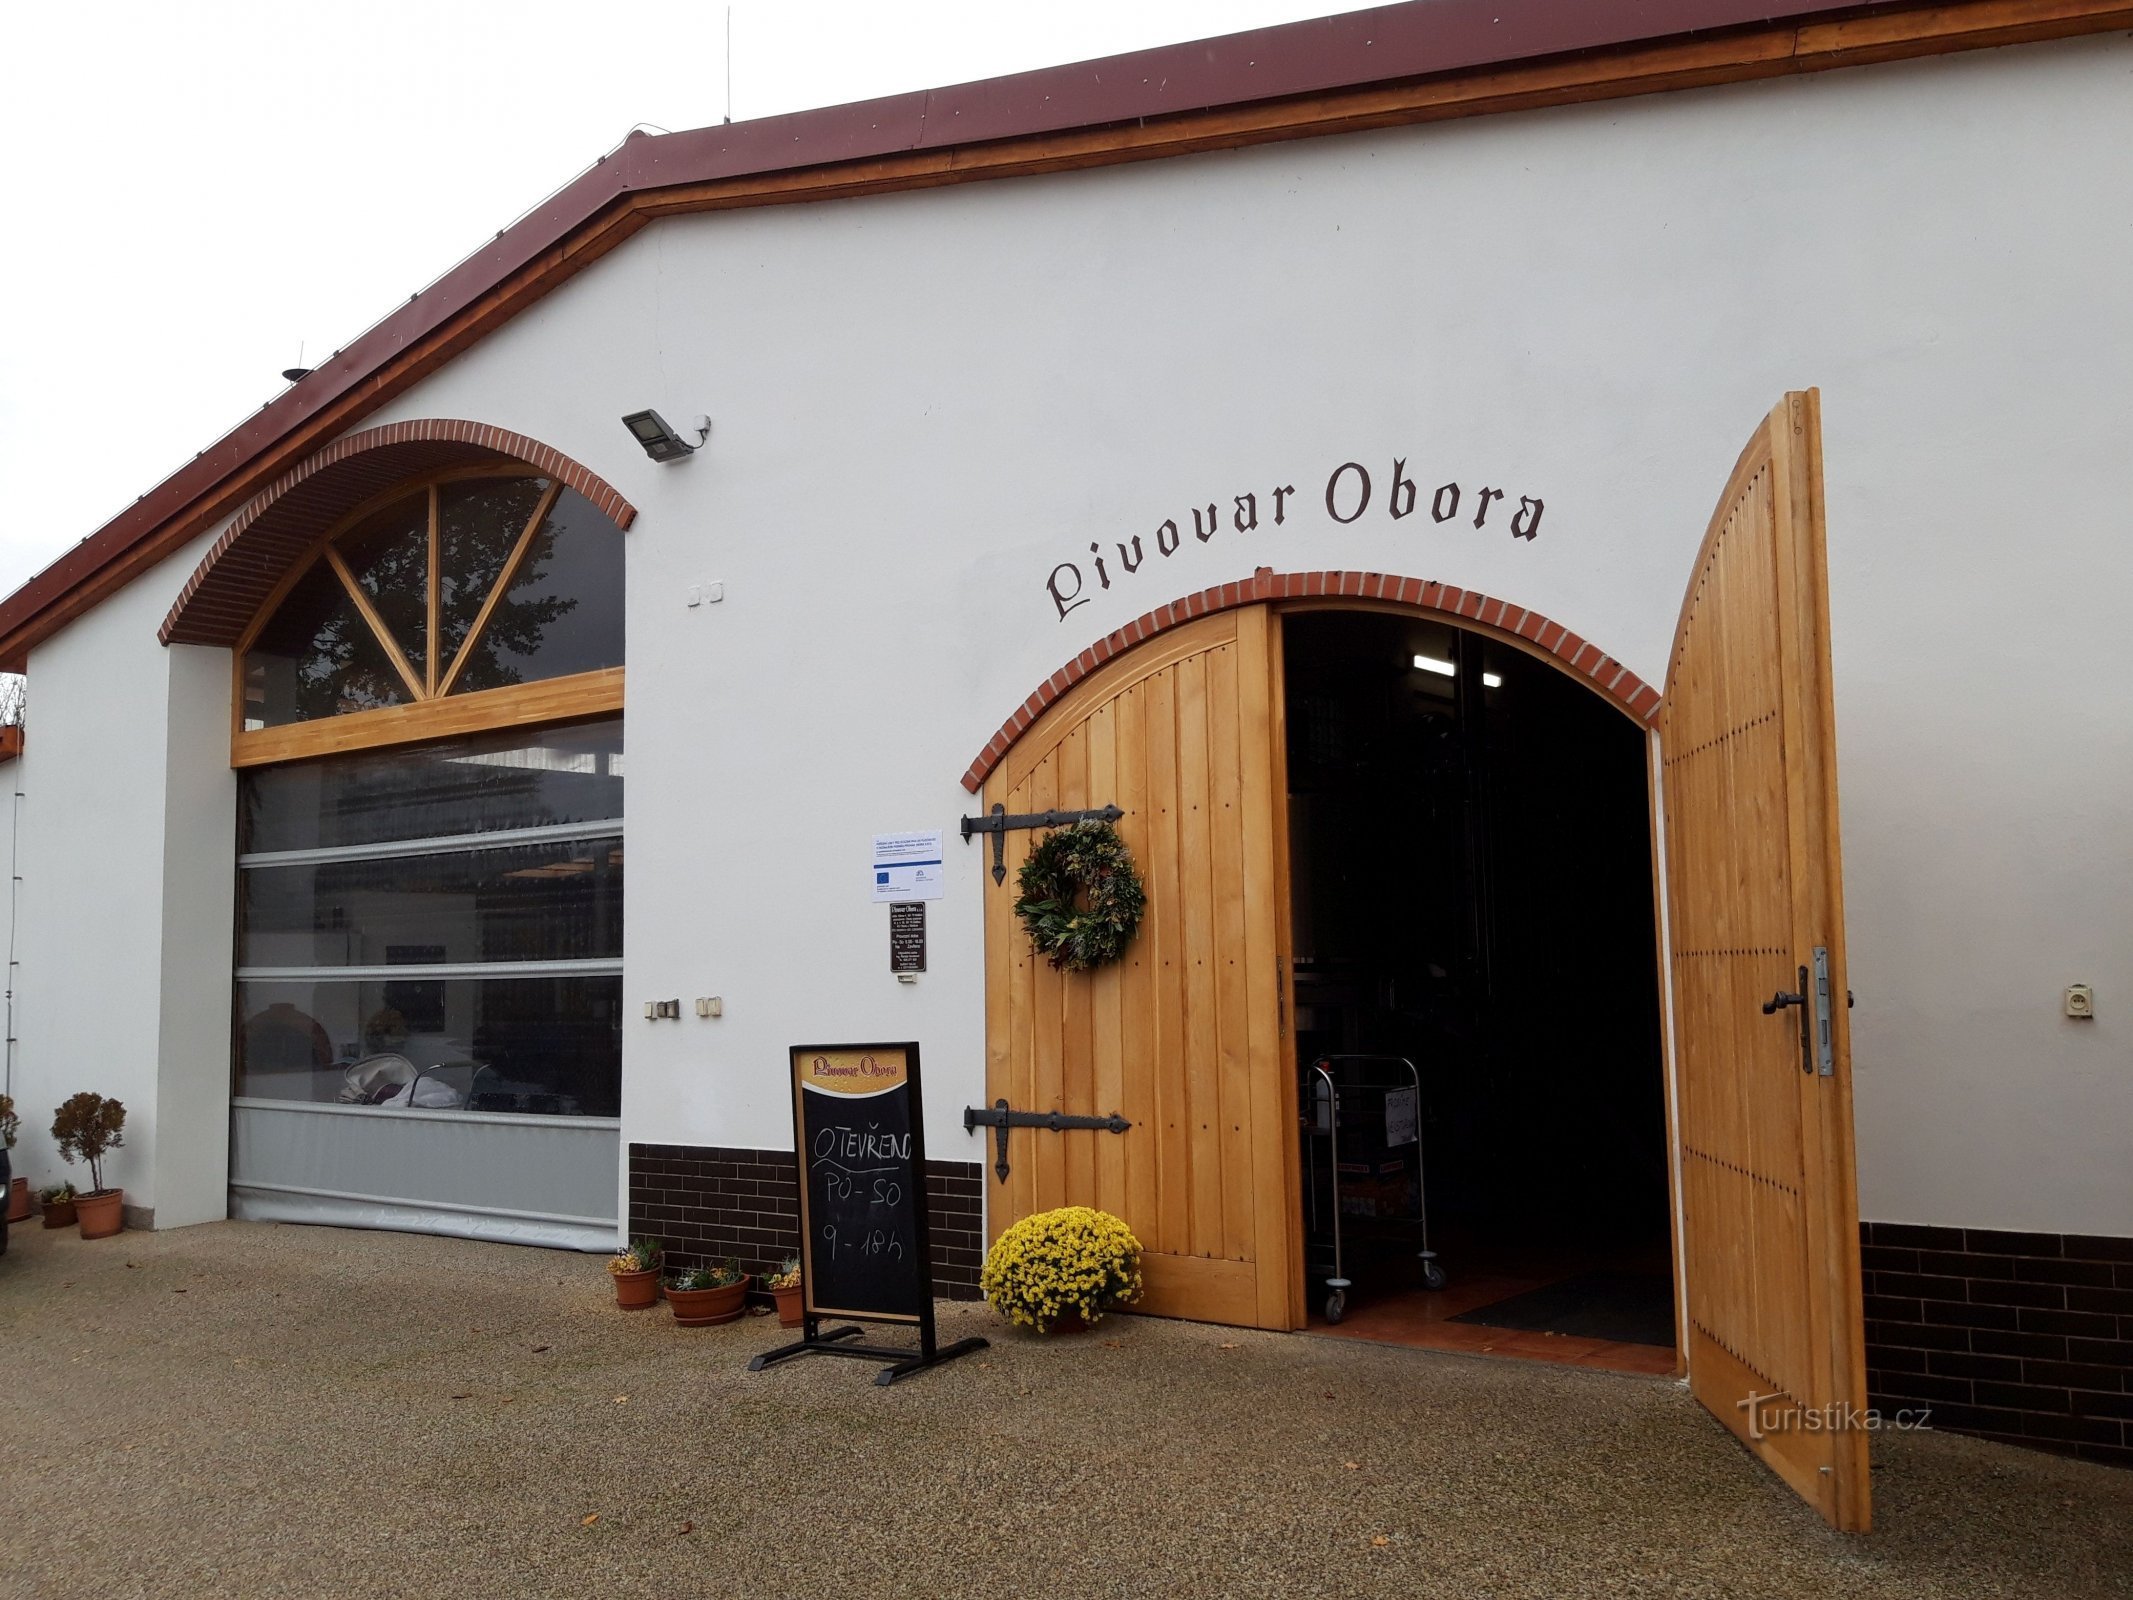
(1818, 1044)
(1825, 1040)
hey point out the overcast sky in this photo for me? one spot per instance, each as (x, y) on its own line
(191, 194)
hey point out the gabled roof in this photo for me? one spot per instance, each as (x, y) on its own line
(1420, 61)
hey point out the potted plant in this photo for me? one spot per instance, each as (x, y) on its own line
(58, 1202)
(18, 1189)
(636, 1275)
(1060, 1271)
(85, 1128)
(702, 1296)
(784, 1287)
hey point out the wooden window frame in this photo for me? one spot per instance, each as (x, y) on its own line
(434, 710)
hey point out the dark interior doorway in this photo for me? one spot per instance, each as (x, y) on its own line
(1470, 861)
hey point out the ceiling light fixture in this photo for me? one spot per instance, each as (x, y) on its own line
(1450, 669)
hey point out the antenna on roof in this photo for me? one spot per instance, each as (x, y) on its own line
(729, 63)
(299, 370)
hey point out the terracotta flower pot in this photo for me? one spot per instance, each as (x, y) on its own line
(637, 1291)
(701, 1308)
(790, 1312)
(59, 1213)
(18, 1200)
(101, 1214)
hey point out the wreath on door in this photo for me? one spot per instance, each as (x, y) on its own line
(1081, 896)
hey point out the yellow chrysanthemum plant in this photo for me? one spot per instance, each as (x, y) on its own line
(1073, 1262)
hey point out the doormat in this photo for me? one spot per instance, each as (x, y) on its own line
(1622, 1307)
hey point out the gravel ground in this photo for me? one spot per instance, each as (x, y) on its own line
(254, 1410)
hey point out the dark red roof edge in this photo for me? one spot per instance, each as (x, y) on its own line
(1421, 38)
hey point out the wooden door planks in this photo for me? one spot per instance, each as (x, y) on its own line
(1769, 1205)
(1184, 1036)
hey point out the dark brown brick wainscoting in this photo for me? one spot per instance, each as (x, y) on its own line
(2022, 1337)
(706, 1201)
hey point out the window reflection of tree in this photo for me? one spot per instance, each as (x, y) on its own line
(339, 664)
(478, 526)
(319, 655)
(520, 622)
(388, 554)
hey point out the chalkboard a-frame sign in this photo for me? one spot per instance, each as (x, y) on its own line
(859, 1138)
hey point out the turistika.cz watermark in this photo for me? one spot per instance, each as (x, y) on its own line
(1781, 1413)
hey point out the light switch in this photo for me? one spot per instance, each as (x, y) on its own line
(714, 592)
(710, 1006)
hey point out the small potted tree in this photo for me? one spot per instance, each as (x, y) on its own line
(86, 1128)
(702, 1296)
(784, 1287)
(636, 1275)
(17, 1189)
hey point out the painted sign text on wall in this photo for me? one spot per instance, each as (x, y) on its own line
(1350, 496)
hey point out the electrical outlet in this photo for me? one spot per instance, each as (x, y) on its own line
(2081, 1001)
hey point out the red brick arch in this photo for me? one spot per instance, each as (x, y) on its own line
(278, 525)
(1630, 693)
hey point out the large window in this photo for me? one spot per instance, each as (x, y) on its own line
(436, 927)
(452, 587)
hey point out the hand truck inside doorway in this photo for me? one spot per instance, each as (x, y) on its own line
(1374, 1103)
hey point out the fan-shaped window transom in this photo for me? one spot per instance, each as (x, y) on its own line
(453, 586)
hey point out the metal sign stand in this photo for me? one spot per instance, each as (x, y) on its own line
(815, 1338)
(902, 1362)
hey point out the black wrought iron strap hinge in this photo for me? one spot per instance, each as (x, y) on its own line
(1000, 1118)
(999, 821)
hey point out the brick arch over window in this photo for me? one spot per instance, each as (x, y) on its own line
(1631, 694)
(277, 526)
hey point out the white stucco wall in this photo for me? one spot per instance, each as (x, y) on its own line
(924, 402)
(10, 784)
(127, 858)
(198, 929)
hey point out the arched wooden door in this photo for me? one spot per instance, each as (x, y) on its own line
(1755, 895)
(1185, 1037)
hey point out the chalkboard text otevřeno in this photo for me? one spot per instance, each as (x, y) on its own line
(862, 1183)
(859, 1140)
(860, 1171)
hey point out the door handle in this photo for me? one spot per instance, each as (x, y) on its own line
(1786, 997)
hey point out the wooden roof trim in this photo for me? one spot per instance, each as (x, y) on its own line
(1418, 62)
